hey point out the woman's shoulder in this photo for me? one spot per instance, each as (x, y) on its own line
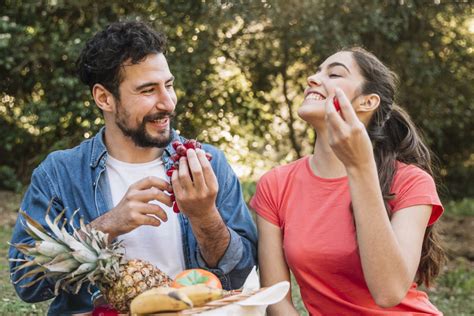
(410, 176)
(403, 170)
(271, 190)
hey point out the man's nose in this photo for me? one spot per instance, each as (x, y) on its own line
(165, 101)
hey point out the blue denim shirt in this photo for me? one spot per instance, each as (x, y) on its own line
(75, 179)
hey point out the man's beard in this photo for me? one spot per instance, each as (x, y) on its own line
(139, 135)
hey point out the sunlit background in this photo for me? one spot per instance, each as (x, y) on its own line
(241, 67)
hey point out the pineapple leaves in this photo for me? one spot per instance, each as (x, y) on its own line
(54, 225)
(50, 249)
(41, 277)
(36, 228)
(67, 265)
(71, 259)
(39, 269)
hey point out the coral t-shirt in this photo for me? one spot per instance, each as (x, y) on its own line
(319, 236)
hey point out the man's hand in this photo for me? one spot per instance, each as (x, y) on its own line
(195, 187)
(134, 209)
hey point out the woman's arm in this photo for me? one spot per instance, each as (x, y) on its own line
(273, 267)
(390, 251)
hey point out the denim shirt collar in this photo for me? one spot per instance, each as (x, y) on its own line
(99, 149)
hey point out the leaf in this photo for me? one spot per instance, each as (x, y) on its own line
(54, 225)
(38, 230)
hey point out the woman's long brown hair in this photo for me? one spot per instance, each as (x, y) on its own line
(395, 138)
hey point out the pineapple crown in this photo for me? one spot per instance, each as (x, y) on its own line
(71, 259)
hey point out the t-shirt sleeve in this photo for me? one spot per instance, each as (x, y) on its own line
(264, 201)
(413, 186)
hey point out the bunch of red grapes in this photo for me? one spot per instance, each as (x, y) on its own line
(181, 151)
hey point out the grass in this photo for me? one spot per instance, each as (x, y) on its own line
(454, 293)
(10, 303)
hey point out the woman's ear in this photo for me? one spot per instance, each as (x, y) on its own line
(103, 98)
(369, 103)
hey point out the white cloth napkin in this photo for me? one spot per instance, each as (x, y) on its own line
(255, 304)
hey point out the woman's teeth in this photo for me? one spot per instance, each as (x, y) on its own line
(315, 96)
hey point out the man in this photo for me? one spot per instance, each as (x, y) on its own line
(118, 178)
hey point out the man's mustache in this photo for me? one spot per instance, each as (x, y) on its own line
(159, 116)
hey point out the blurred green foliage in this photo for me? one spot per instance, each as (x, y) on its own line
(463, 207)
(453, 292)
(241, 67)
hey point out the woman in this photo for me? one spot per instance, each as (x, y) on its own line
(354, 221)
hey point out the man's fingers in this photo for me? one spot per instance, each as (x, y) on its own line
(150, 195)
(184, 175)
(196, 170)
(177, 188)
(153, 209)
(149, 182)
(207, 171)
(150, 220)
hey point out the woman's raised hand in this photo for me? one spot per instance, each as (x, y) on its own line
(347, 135)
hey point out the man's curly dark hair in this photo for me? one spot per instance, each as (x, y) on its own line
(104, 54)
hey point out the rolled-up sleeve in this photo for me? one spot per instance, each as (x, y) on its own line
(241, 253)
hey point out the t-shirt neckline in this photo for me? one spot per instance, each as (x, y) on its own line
(131, 165)
(308, 168)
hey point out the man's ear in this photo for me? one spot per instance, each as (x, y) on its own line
(368, 103)
(103, 98)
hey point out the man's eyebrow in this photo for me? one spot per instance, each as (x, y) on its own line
(149, 84)
(332, 65)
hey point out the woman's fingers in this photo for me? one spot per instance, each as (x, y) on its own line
(347, 110)
(333, 119)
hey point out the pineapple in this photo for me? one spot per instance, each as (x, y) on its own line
(85, 255)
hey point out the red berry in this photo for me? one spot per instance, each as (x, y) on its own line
(209, 156)
(169, 173)
(175, 157)
(175, 207)
(190, 144)
(172, 197)
(336, 104)
(181, 150)
(175, 144)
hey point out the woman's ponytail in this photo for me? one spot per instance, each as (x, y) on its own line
(398, 139)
